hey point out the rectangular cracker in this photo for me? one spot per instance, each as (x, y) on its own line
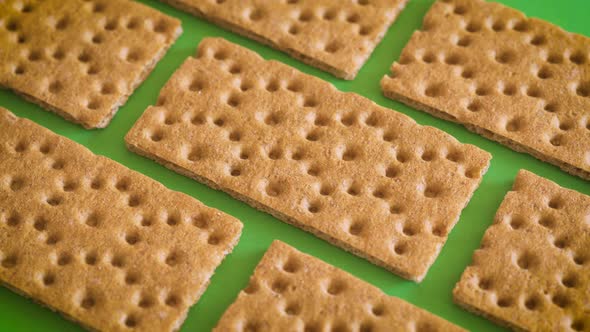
(106, 246)
(81, 59)
(367, 179)
(333, 35)
(293, 291)
(532, 271)
(520, 81)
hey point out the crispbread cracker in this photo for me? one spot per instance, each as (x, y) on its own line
(80, 59)
(532, 272)
(363, 177)
(292, 291)
(333, 35)
(106, 246)
(520, 81)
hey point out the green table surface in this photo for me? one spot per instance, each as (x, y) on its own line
(260, 229)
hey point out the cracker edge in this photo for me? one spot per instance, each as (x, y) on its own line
(476, 311)
(147, 69)
(309, 60)
(15, 119)
(179, 321)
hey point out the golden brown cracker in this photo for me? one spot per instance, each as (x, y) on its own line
(520, 81)
(292, 291)
(106, 246)
(532, 271)
(80, 59)
(333, 35)
(363, 177)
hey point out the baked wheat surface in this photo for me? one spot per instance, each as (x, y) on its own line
(365, 178)
(81, 59)
(521, 81)
(108, 247)
(292, 291)
(337, 36)
(532, 271)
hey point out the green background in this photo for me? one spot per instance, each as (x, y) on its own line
(433, 294)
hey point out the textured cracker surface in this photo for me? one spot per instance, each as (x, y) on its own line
(532, 271)
(104, 245)
(521, 81)
(363, 177)
(80, 59)
(336, 36)
(292, 291)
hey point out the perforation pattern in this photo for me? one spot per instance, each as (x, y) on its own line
(94, 240)
(365, 178)
(80, 58)
(292, 291)
(333, 35)
(521, 81)
(532, 271)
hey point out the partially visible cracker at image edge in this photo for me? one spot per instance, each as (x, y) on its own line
(365, 178)
(532, 271)
(333, 35)
(293, 291)
(108, 247)
(520, 81)
(81, 59)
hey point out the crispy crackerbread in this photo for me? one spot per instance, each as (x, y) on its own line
(363, 177)
(532, 272)
(333, 35)
(106, 246)
(520, 81)
(292, 291)
(80, 59)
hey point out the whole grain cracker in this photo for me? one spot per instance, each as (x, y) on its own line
(108, 247)
(532, 272)
(293, 291)
(333, 35)
(363, 177)
(520, 81)
(80, 59)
